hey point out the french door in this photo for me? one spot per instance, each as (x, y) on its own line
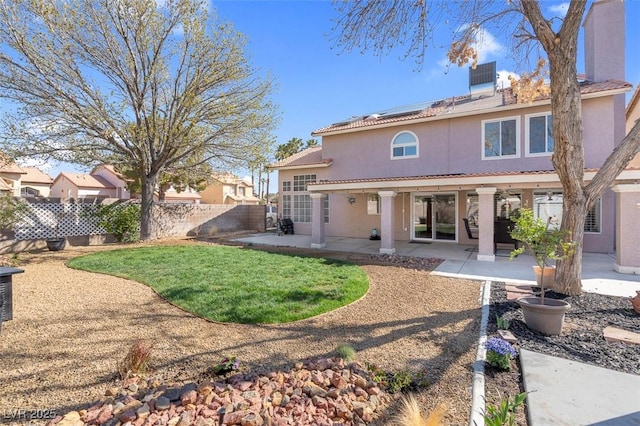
(434, 217)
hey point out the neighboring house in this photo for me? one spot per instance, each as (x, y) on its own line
(119, 181)
(414, 173)
(74, 186)
(35, 183)
(187, 196)
(10, 175)
(228, 189)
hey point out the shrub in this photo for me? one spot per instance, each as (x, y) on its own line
(11, 211)
(226, 365)
(122, 220)
(136, 361)
(346, 352)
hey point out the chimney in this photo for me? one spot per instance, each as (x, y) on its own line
(604, 41)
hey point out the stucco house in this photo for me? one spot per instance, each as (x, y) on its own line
(226, 188)
(75, 186)
(35, 183)
(10, 175)
(414, 173)
(189, 195)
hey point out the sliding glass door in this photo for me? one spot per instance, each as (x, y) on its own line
(434, 217)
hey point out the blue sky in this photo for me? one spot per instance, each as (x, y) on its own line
(318, 85)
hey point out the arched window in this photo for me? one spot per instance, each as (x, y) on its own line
(404, 145)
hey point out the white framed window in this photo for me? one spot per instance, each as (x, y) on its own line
(548, 206)
(404, 145)
(501, 138)
(373, 204)
(300, 182)
(302, 208)
(593, 222)
(538, 134)
(286, 206)
(326, 209)
(286, 186)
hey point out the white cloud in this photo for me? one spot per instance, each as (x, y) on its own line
(559, 9)
(486, 45)
(503, 78)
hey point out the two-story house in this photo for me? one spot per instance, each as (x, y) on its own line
(225, 188)
(414, 173)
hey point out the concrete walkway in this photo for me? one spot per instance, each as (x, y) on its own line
(561, 392)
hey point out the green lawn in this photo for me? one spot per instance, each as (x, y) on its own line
(234, 284)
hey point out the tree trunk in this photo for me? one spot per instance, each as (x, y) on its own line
(148, 182)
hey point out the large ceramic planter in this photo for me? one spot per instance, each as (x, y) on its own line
(56, 244)
(547, 318)
(549, 276)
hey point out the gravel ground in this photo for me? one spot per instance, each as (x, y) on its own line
(71, 328)
(581, 339)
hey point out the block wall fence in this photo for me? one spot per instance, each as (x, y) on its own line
(73, 221)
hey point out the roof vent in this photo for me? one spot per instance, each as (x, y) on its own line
(482, 80)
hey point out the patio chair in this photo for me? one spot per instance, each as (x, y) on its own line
(466, 226)
(285, 226)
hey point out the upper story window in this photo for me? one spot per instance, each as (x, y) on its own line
(286, 186)
(539, 134)
(500, 138)
(404, 145)
(300, 182)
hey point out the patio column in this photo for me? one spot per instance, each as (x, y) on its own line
(317, 219)
(386, 222)
(485, 224)
(627, 228)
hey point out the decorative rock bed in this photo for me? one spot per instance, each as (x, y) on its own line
(319, 392)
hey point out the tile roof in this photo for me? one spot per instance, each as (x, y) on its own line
(230, 179)
(455, 104)
(9, 166)
(307, 157)
(86, 181)
(35, 175)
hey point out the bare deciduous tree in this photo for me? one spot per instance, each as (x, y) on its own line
(382, 25)
(139, 84)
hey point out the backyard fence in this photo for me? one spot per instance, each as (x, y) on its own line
(78, 223)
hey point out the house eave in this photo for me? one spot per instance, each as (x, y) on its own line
(522, 180)
(466, 113)
(302, 166)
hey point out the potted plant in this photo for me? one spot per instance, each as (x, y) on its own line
(58, 242)
(544, 244)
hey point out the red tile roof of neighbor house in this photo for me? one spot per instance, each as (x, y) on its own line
(456, 104)
(307, 157)
(9, 166)
(35, 175)
(634, 100)
(85, 181)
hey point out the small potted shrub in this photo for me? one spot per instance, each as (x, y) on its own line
(58, 242)
(544, 244)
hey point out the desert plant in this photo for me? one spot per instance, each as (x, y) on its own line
(122, 220)
(411, 415)
(502, 323)
(503, 414)
(499, 353)
(136, 361)
(540, 241)
(346, 352)
(226, 365)
(399, 381)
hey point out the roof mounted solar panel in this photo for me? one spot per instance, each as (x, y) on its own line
(482, 79)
